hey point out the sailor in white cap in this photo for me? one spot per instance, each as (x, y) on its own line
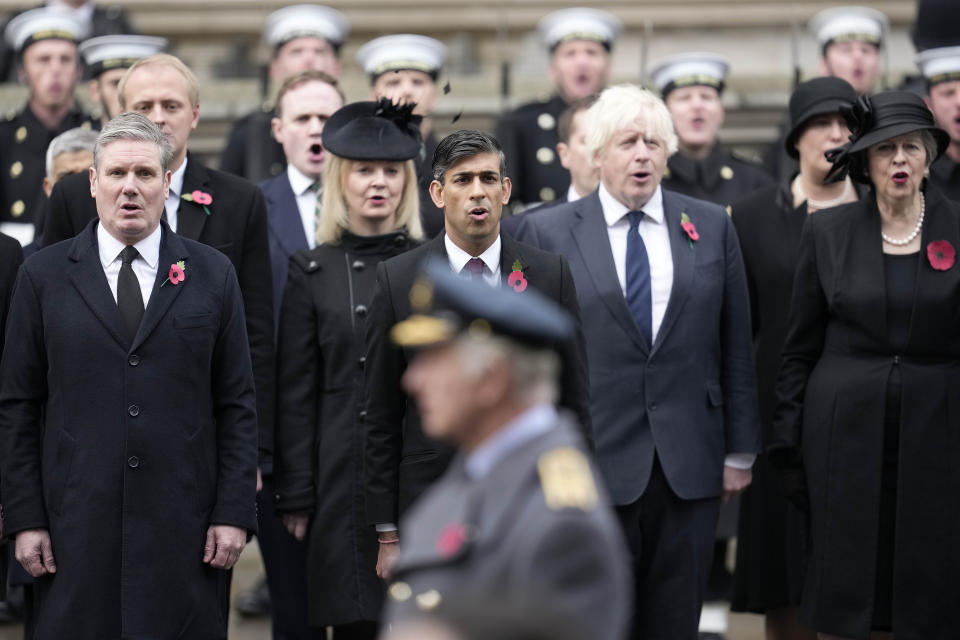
(941, 68)
(580, 41)
(850, 39)
(302, 36)
(691, 85)
(107, 58)
(404, 68)
(46, 44)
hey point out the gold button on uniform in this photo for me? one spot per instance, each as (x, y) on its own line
(17, 209)
(85, 125)
(21, 134)
(726, 173)
(428, 600)
(545, 155)
(666, 172)
(400, 591)
(546, 121)
(16, 169)
(547, 194)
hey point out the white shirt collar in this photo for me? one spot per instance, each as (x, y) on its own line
(614, 210)
(298, 181)
(459, 258)
(525, 427)
(572, 195)
(110, 247)
(176, 180)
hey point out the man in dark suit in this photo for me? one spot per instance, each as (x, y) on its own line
(520, 513)
(664, 297)
(209, 206)
(127, 414)
(470, 184)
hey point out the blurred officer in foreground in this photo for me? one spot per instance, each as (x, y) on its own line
(404, 68)
(302, 36)
(691, 85)
(107, 59)
(520, 508)
(580, 41)
(941, 68)
(46, 44)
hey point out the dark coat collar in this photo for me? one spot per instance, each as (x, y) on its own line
(191, 217)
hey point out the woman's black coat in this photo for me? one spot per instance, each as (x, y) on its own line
(319, 434)
(830, 418)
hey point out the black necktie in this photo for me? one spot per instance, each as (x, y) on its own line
(129, 297)
(638, 278)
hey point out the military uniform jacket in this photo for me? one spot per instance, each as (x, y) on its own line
(528, 136)
(536, 523)
(721, 177)
(23, 157)
(128, 451)
(431, 216)
(251, 150)
(945, 177)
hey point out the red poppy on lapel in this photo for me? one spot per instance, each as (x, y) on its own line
(516, 279)
(689, 227)
(202, 198)
(177, 273)
(941, 254)
(451, 539)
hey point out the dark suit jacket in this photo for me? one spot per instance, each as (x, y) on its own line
(128, 451)
(401, 461)
(11, 255)
(511, 224)
(237, 226)
(690, 398)
(285, 233)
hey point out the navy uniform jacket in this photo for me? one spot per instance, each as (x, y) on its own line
(691, 397)
(23, 160)
(721, 177)
(945, 177)
(251, 150)
(528, 135)
(128, 452)
(536, 525)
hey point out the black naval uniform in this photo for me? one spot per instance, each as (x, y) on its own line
(528, 135)
(945, 176)
(430, 214)
(251, 150)
(721, 177)
(23, 157)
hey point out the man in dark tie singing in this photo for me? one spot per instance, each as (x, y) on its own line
(665, 313)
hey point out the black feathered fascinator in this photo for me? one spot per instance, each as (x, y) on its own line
(373, 131)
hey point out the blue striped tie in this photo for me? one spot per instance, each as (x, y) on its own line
(638, 278)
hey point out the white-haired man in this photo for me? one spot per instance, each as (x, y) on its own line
(661, 283)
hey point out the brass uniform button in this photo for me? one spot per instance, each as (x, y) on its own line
(666, 172)
(546, 121)
(17, 209)
(16, 169)
(85, 125)
(729, 210)
(547, 195)
(400, 591)
(428, 600)
(21, 134)
(726, 173)
(545, 155)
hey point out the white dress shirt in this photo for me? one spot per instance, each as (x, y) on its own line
(172, 204)
(572, 195)
(656, 239)
(491, 259)
(144, 266)
(306, 202)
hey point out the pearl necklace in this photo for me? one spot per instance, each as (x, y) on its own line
(913, 234)
(822, 204)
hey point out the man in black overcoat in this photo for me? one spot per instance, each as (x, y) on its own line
(471, 186)
(127, 415)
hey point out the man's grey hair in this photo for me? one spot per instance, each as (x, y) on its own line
(534, 373)
(133, 126)
(70, 141)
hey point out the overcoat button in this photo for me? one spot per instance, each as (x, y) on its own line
(133, 410)
(358, 265)
(363, 414)
(653, 407)
(133, 360)
(400, 238)
(363, 360)
(133, 462)
(360, 310)
(312, 265)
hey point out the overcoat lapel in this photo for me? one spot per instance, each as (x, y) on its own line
(862, 269)
(683, 256)
(592, 239)
(191, 216)
(172, 250)
(88, 277)
(932, 285)
(284, 216)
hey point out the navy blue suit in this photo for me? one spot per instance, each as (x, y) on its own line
(664, 415)
(284, 231)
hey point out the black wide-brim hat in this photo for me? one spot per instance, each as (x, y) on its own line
(373, 131)
(813, 98)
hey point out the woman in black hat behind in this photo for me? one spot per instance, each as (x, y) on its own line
(772, 536)
(867, 427)
(370, 212)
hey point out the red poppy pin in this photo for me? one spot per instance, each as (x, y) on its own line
(451, 539)
(177, 273)
(941, 254)
(516, 279)
(687, 225)
(202, 198)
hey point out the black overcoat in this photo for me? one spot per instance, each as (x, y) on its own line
(128, 452)
(319, 453)
(831, 387)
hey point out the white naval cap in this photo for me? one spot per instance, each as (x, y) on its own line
(118, 51)
(305, 20)
(44, 23)
(579, 23)
(402, 51)
(688, 69)
(843, 24)
(940, 65)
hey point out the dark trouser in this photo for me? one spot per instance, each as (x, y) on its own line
(363, 630)
(285, 561)
(671, 543)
